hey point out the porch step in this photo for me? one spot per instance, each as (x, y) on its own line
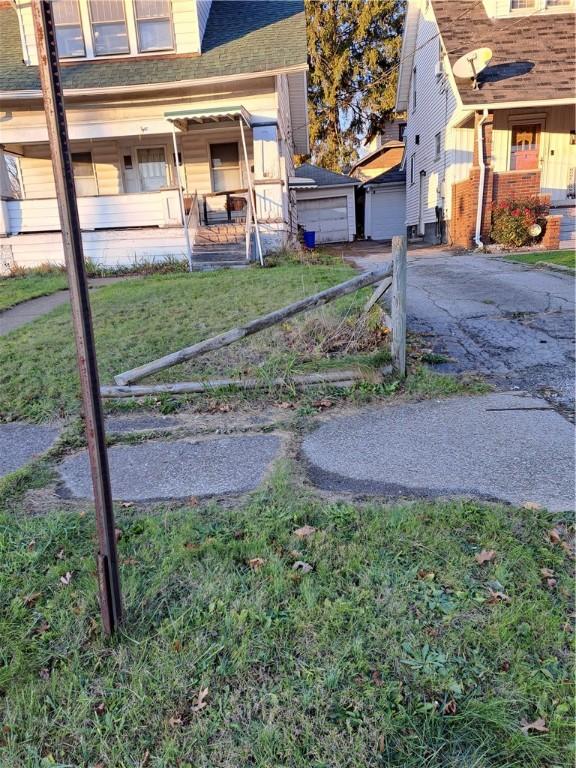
(220, 234)
(219, 254)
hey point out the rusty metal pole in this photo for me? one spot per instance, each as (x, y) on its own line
(107, 560)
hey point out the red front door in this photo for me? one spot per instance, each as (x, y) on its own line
(525, 151)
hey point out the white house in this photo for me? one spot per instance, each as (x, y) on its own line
(509, 134)
(158, 96)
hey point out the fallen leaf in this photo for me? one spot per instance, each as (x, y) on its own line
(324, 403)
(66, 579)
(449, 708)
(200, 700)
(497, 597)
(485, 556)
(505, 666)
(567, 548)
(31, 545)
(381, 745)
(426, 575)
(538, 725)
(256, 563)
(60, 555)
(100, 708)
(174, 721)
(31, 599)
(129, 561)
(531, 505)
(45, 674)
(377, 678)
(192, 545)
(554, 536)
(127, 504)
(306, 530)
(193, 501)
(177, 646)
(42, 628)
(145, 758)
(285, 405)
(224, 408)
(551, 583)
(548, 573)
(301, 566)
(117, 534)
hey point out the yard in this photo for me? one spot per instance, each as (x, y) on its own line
(138, 320)
(561, 258)
(397, 647)
(15, 290)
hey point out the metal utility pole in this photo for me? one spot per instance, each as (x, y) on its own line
(107, 560)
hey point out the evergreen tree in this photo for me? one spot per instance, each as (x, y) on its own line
(353, 50)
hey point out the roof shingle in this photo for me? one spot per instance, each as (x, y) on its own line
(533, 55)
(241, 37)
(322, 177)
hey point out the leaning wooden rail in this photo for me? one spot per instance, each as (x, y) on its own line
(396, 269)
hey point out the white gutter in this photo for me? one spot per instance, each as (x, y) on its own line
(480, 139)
(154, 87)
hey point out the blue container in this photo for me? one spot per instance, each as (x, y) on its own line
(310, 239)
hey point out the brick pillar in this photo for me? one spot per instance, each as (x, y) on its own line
(551, 238)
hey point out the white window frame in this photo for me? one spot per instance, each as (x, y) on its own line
(240, 170)
(92, 177)
(99, 23)
(438, 146)
(412, 169)
(169, 18)
(167, 163)
(82, 31)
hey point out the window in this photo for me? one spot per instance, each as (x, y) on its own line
(225, 165)
(84, 177)
(154, 23)
(524, 154)
(517, 5)
(152, 168)
(109, 27)
(401, 131)
(414, 89)
(69, 36)
(437, 146)
(412, 168)
(558, 3)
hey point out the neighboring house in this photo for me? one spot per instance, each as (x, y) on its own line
(155, 92)
(375, 162)
(385, 204)
(512, 136)
(326, 203)
(393, 131)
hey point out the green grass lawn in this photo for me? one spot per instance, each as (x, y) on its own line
(142, 319)
(15, 290)
(394, 650)
(563, 258)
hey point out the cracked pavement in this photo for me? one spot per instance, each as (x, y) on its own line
(511, 323)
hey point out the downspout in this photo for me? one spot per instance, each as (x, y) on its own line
(480, 139)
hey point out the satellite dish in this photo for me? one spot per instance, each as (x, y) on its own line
(471, 64)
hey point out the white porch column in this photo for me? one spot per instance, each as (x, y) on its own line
(5, 194)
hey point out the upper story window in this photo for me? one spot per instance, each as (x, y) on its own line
(109, 31)
(154, 24)
(68, 23)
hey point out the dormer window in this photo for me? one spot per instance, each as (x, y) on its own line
(154, 23)
(109, 31)
(68, 23)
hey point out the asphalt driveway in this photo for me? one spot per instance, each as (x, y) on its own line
(511, 323)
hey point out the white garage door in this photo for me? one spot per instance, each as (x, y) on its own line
(327, 216)
(388, 209)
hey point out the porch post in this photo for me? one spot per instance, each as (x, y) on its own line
(251, 193)
(181, 198)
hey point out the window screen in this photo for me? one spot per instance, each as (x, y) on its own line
(69, 36)
(154, 22)
(84, 178)
(109, 27)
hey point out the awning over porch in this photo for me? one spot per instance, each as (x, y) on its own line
(182, 118)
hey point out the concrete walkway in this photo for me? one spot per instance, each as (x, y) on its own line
(27, 311)
(501, 447)
(21, 443)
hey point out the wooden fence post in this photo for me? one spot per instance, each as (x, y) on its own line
(399, 248)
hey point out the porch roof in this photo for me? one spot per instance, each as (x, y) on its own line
(182, 117)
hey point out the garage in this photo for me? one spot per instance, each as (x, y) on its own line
(385, 205)
(325, 203)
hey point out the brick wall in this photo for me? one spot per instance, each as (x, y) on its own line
(551, 239)
(497, 186)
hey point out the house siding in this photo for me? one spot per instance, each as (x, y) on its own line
(436, 105)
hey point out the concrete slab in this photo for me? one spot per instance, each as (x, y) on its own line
(140, 424)
(177, 469)
(503, 447)
(20, 443)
